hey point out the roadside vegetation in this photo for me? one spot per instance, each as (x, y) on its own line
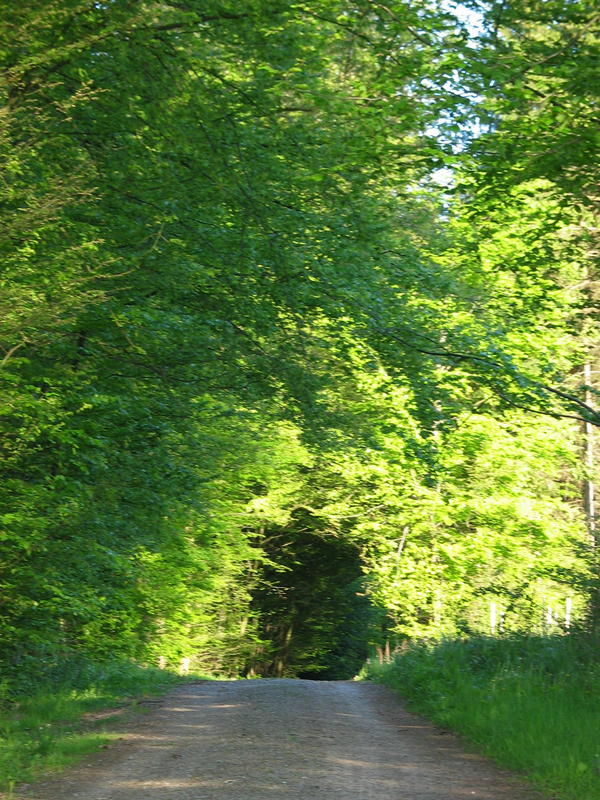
(48, 726)
(529, 702)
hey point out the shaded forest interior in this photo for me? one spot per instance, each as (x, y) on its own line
(299, 347)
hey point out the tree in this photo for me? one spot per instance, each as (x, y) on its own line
(236, 307)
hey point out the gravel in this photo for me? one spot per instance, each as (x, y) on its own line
(283, 740)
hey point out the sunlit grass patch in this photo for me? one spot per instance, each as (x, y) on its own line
(46, 729)
(529, 702)
(27, 754)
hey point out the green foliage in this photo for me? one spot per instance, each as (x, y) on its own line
(491, 532)
(244, 332)
(538, 67)
(529, 702)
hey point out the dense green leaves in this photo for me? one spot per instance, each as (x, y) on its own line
(244, 332)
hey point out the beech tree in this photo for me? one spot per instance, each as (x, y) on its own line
(244, 328)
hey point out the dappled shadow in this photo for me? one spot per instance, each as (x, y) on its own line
(254, 740)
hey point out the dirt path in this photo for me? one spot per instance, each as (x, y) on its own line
(283, 740)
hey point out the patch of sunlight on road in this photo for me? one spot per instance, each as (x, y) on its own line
(371, 764)
(197, 783)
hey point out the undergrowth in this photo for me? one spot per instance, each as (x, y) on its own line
(46, 727)
(531, 703)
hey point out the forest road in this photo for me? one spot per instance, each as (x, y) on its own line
(283, 739)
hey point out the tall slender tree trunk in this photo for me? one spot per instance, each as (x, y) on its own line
(589, 499)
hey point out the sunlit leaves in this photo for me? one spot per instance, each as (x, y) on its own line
(241, 322)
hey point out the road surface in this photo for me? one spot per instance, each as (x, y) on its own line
(283, 740)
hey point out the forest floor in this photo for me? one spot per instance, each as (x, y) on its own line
(285, 740)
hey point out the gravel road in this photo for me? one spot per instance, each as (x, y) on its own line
(283, 740)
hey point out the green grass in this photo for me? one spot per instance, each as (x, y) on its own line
(44, 729)
(531, 703)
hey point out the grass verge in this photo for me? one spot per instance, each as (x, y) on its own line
(531, 703)
(45, 729)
